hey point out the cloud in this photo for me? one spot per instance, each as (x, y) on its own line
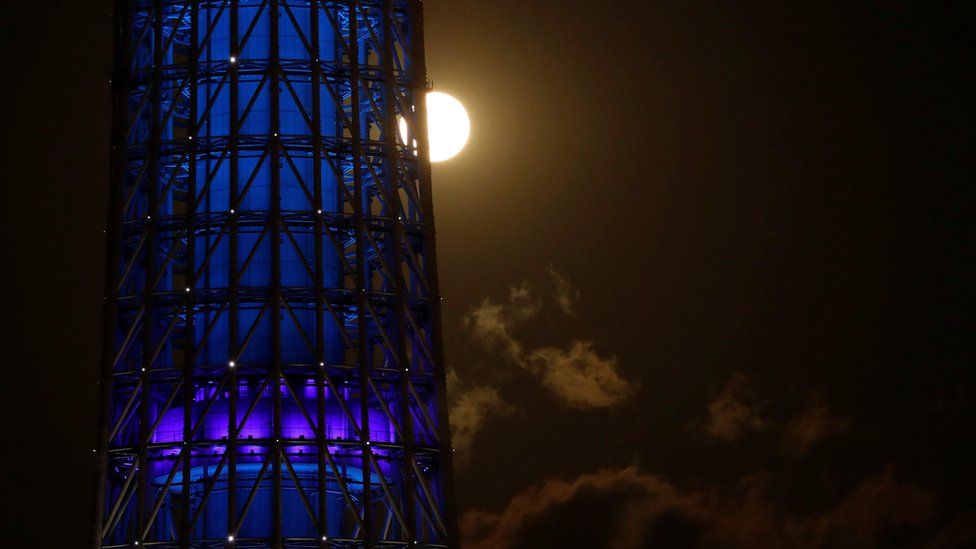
(958, 531)
(471, 405)
(651, 511)
(812, 425)
(579, 376)
(877, 503)
(734, 413)
(563, 292)
(522, 303)
(576, 374)
(490, 324)
(729, 417)
(470, 409)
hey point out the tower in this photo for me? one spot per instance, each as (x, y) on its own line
(272, 371)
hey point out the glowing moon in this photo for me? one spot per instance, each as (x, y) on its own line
(448, 126)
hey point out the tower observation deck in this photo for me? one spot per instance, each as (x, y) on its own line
(273, 371)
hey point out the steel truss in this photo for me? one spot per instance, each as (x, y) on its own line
(273, 371)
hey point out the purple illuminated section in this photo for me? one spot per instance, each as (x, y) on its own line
(259, 424)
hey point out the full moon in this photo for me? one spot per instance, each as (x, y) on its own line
(448, 126)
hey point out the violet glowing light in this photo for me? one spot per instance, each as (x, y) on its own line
(273, 373)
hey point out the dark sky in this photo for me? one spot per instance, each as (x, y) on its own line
(705, 270)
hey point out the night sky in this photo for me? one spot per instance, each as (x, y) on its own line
(705, 270)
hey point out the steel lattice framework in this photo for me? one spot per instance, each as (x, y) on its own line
(273, 372)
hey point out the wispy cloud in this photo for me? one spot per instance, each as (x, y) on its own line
(563, 292)
(654, 512)
(959, 531)
(471, 408)
(730, 416)
(576, 374)
(473, 403)
(814, 424)
(490, 324)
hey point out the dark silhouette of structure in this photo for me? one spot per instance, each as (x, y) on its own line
(273, 373)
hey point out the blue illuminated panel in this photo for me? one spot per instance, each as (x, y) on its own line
(273, 377)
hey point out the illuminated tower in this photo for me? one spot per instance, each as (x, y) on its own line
(272, 373)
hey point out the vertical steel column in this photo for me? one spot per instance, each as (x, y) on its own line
(392, 175)
(276, 221)
(233, 349)
(151, 251)
(418, 84)
(318, 228)
(122, 30)
(189, 336)
(362, 201)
